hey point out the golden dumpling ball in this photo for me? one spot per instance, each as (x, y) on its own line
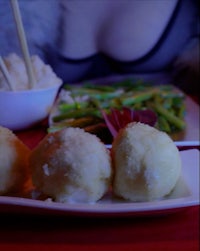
(146, 161)
(71, 165)
(14, 156)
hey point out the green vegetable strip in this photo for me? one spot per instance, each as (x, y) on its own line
(77, 114)
(138, 98)
(65, 107)
(92, 93)
(177, 122)
(163, 124)
(104, 88)
(81, 122)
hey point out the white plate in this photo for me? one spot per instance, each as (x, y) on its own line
(185, 194)
(192, 119)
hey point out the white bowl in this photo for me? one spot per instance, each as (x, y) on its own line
(23, 109)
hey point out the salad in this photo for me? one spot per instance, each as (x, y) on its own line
(93, 107)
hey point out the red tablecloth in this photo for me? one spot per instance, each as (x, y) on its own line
(177, 231)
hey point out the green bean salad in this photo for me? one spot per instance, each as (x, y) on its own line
(81, 106)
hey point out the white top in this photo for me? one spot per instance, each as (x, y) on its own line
(123, 29)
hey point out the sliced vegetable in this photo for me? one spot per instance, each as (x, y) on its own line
(117, 100)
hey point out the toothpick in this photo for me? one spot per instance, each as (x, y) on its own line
(23, 42)
(6, 74)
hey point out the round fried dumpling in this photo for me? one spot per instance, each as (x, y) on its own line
(146, 161)
(14, 156)
(71, 165)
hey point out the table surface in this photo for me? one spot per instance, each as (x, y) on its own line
(177, 231)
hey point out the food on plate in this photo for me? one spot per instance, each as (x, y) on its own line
(81, 106)
(71, 165)
(118, 119)
(146, 163)
(14, 155)
(44, 75)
